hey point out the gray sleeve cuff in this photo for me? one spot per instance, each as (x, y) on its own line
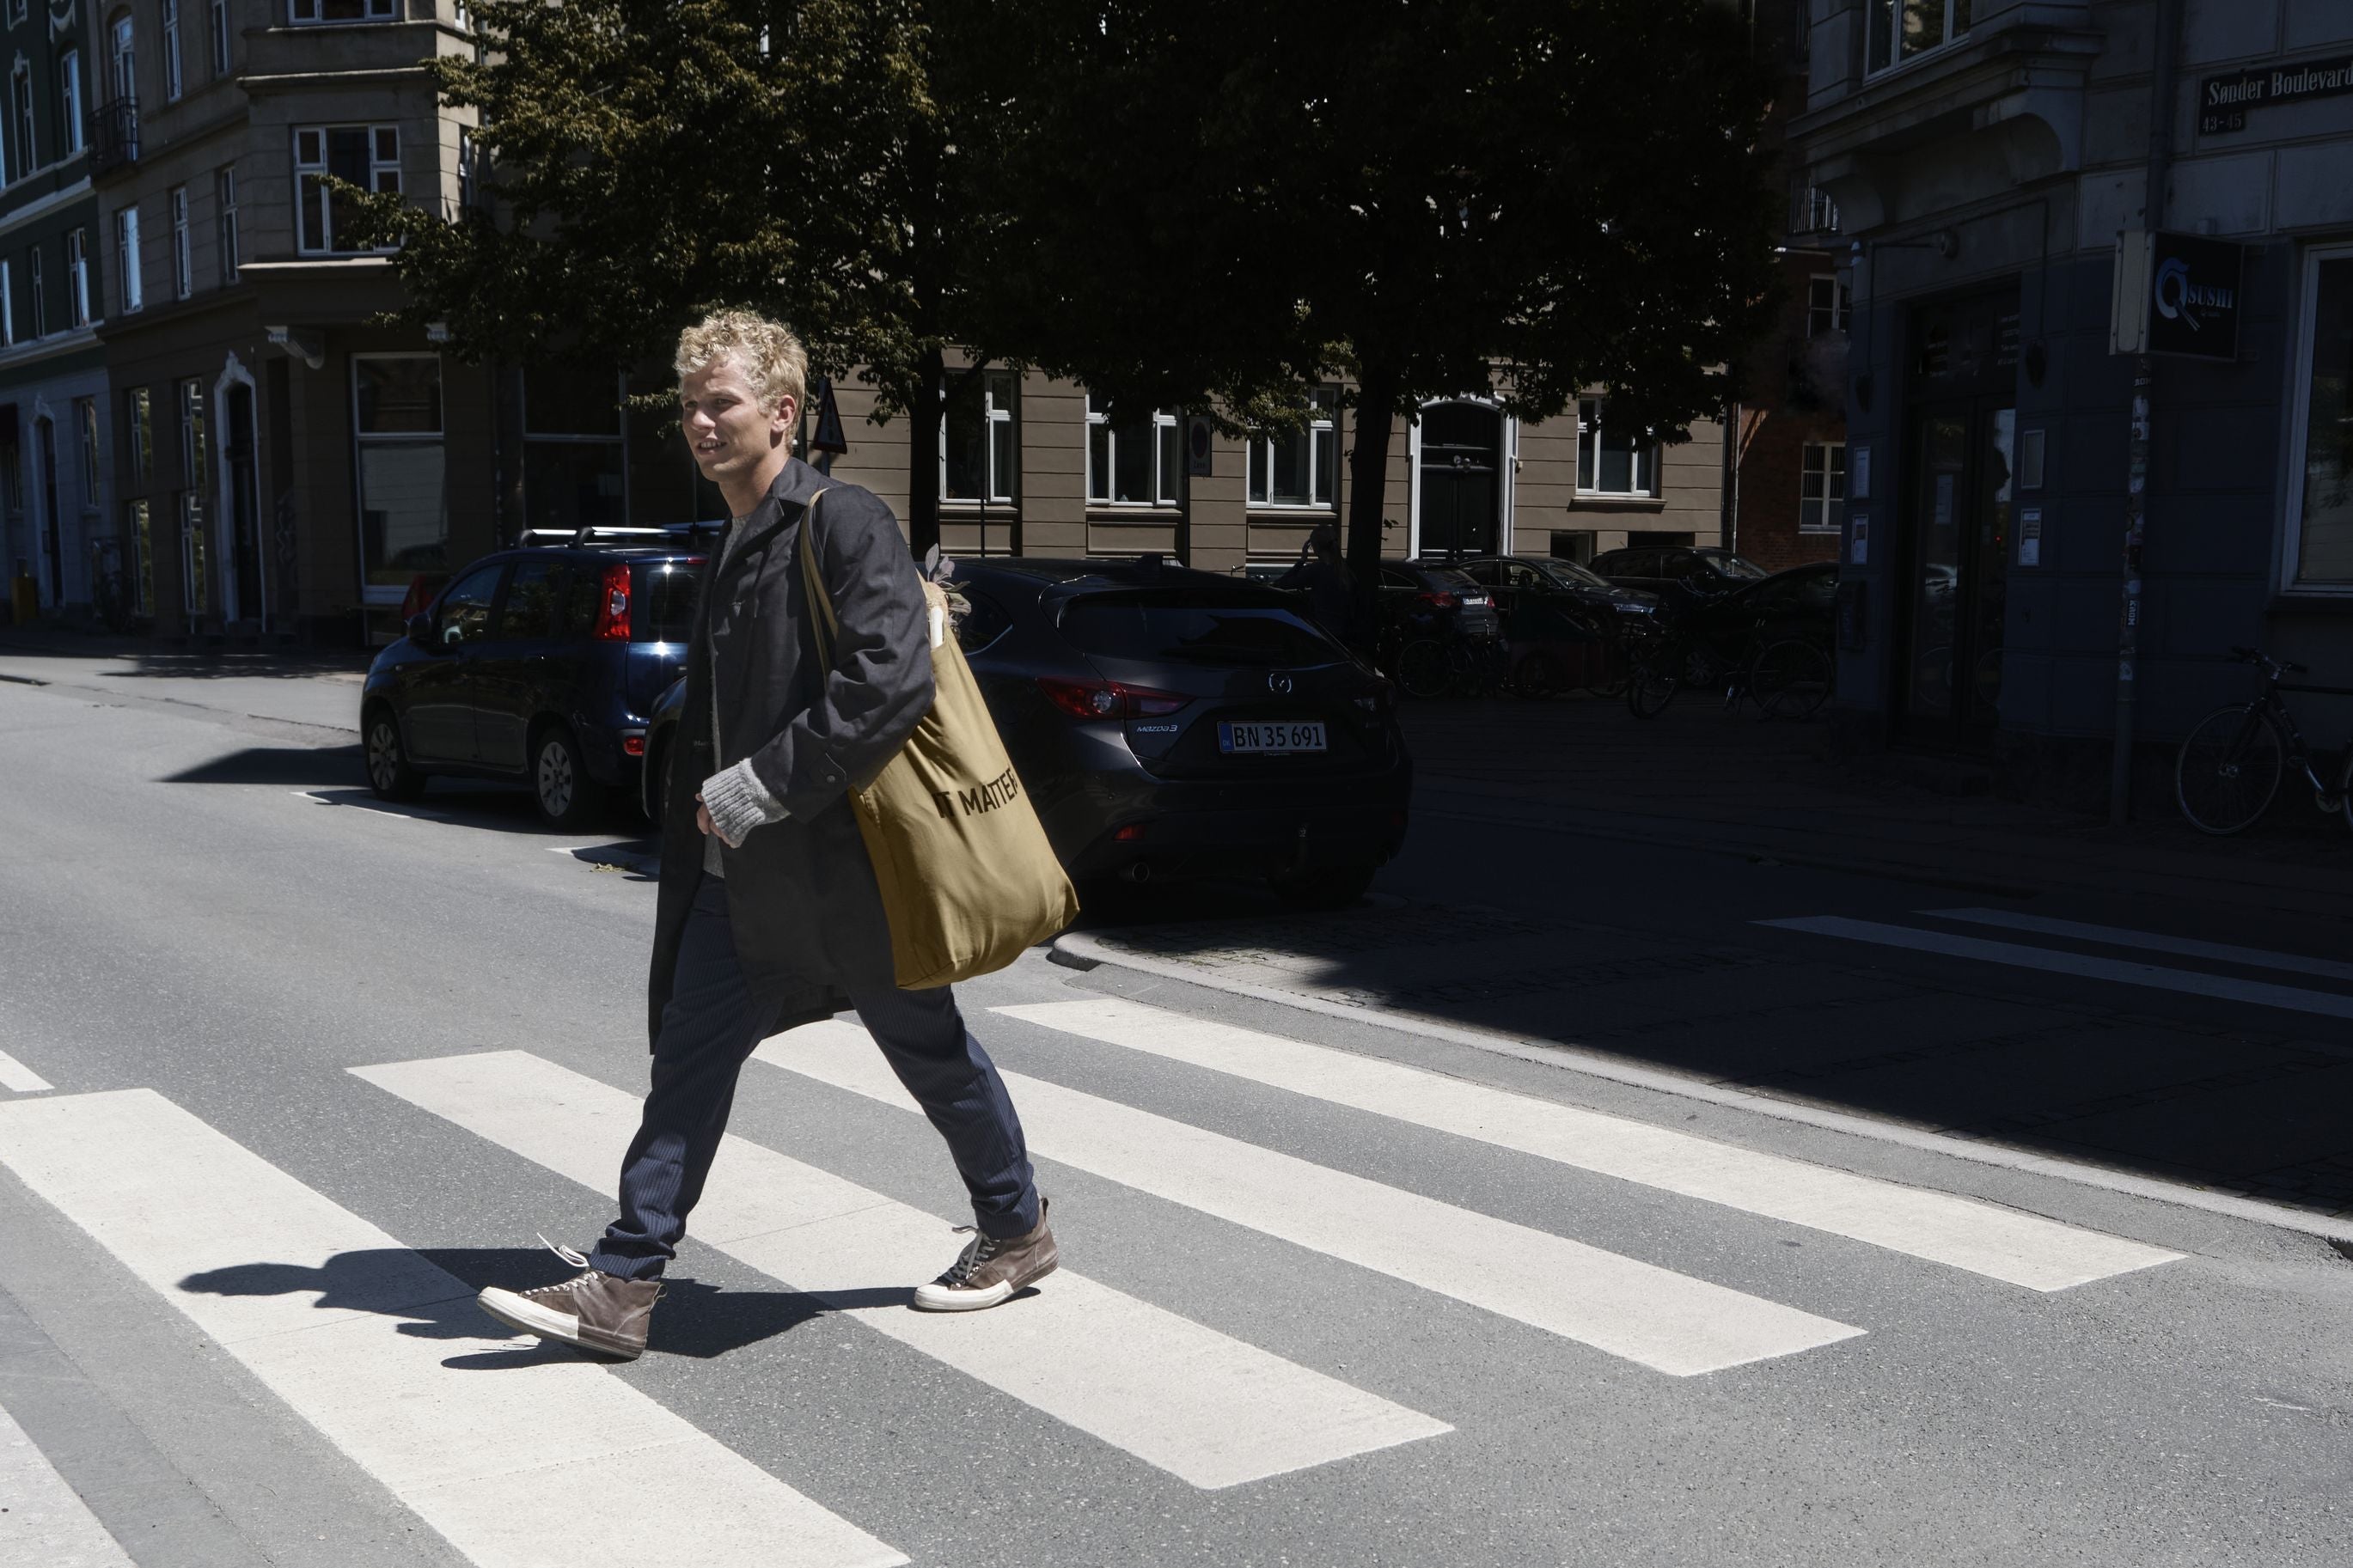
(739, 802)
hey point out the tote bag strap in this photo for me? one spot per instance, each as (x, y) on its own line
(820, 603)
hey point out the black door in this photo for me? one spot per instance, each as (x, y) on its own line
(1462, 490)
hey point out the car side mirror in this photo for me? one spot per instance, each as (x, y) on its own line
(421, 630)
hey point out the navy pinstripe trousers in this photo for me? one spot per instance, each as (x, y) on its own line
(708, 1030)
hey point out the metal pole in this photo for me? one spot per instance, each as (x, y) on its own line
(2128, 616)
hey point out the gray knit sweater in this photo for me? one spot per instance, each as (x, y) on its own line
(737, 800)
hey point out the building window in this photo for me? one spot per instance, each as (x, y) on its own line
(403, 503)
(978, 441)
(126, 60)
(22, 154)
(78, 301)
(140, 525)
(1904, 30)
(195, 475)
(183, 272)
(576, 457)
(1134, 463)
(224, 198)
(174, 81)
(1811, 211)
(346, 10)
(17, 11)
(1612, 462)
(219, 31)
(2320, 510)
(1827, 305)
(7, 305)
(40, 295)
(126, 259)
(69, 106)
(86, 429)
(368, 156)
(1821, 487)
(139, 437)
(1296, 468)
(465, 168)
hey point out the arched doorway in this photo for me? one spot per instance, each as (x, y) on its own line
(1459, 480)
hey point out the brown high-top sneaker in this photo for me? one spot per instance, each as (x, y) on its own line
(592, 1310)
(991, 1269)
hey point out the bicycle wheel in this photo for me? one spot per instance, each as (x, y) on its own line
(1790, 678)
(1535, 678)
(2228, 769)
(1423, 669)
(1651, 686)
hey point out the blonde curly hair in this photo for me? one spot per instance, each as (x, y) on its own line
(770, 357)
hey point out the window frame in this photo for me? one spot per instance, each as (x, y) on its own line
(304, 171)
(1896, 59)
(86, 434)
(374, 13)
(1002, 489)
(224, 216)
(129, 259)
(123, 56)
(139, 435)
(390, 593)
(78, 301)
(40, 296)
(1832, 502)
(183, 267)
(23, 148)
(1166, 489)
(1261, 448)
(1838, 315)
(1643, 458)
(223, 60)
(176, 76)
(8, 302)
(2303, 364)
(72, 111)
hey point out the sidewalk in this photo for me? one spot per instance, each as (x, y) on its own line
(316, 689)
(1697, 778)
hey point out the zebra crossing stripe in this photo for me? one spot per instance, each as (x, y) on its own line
(2152, 942)
(14, 1075)
(313, 1300)
(43, 1522)
(1650, 1315)
(2002, 1244)
(1206, 1407)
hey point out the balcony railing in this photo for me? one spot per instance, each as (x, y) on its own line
(114, 135)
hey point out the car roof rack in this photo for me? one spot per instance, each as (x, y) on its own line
(613, 534)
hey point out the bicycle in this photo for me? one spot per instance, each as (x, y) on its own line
(1788, 678)
(1664, 665)
(2230, 767)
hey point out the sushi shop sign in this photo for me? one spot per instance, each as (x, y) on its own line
(2176, 294)
(2223, 101)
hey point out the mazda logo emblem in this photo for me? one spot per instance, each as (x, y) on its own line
(1279, 683)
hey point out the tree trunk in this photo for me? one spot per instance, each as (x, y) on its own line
(924, 455)
(1368, 473)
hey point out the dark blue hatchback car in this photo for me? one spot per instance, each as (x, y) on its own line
(541, 665)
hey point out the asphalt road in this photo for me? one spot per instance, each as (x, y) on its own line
(1332, 1293)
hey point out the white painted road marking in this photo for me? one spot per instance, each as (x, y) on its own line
(509, 1465)
(2259, 993)
(14, 1075)
(1206, 1407)
(1654, 1316)
(43, 1522)
(2152, 942)
(2021, 1248)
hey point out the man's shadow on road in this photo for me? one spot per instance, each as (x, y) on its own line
(695, 1320)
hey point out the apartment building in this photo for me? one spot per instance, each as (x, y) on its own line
(55, 489)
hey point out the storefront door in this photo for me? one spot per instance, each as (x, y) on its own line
(1956, 523)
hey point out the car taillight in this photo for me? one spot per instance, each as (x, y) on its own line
(1108, 698)
(613, 605)
(633, 745)
(1435, 601)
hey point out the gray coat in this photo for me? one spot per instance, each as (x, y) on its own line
(801, 894)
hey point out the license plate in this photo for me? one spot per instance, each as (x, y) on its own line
(1624, 608)
(1269, 739)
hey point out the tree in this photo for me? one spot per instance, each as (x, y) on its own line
(1428, 196)
(650, 159)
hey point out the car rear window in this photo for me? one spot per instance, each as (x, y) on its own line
(1450, 578)
(1196, 629)
(661, 596)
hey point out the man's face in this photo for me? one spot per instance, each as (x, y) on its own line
(730, 433)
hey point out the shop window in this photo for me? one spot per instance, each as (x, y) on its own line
(575, 469)
(1829, 306)
(1821, 487)
(1134, 463)
(368, 156)
(1612, 461)
(403, 500)
(1298, 467)
(978, 441)
(138, 523)
(2319, 553)
(1902, 30)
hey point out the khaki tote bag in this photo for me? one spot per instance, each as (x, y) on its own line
(968, 880)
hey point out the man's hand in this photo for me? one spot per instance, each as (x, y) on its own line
(702, 820)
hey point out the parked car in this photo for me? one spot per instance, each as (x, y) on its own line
(1565, 625)
(540, 665)
(1725, 631)
(1682, 575)
(1172, 723)
(1423, 598)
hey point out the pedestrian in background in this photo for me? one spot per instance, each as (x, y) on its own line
(768, 914)
(1331, 588)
